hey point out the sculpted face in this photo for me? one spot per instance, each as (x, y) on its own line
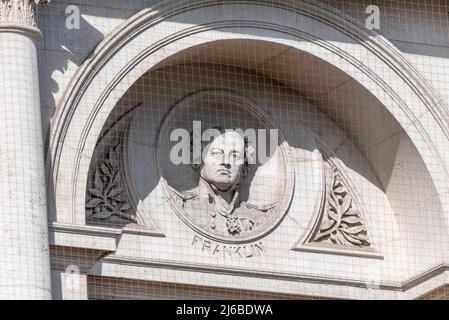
(224, 160)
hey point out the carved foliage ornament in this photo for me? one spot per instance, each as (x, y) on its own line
(108, 198)
(342, 223)
(20, 11)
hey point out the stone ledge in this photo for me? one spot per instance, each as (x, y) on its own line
(82, 236)
(293, 283)
(339, 250)
(93, 237)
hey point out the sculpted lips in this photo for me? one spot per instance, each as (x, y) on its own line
(224, 171)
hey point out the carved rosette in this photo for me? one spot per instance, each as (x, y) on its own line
(342, 223)
(20, 11)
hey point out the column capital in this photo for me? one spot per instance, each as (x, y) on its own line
(19, 15)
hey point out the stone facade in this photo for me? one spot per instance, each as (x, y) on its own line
(352, 203)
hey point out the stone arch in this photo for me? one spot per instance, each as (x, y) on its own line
(153, 35)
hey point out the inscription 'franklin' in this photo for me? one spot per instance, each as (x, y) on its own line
(228, 251)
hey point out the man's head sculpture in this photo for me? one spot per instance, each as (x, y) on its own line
(225, 160)
(211, 187)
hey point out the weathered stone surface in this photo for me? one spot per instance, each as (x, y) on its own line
(354, 203)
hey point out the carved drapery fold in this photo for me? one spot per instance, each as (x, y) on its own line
(20, 11)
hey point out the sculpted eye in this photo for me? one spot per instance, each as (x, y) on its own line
(216, 152)
(237, 156)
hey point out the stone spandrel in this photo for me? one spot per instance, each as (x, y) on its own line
(20, 11)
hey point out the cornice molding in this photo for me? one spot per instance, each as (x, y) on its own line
(412, 288)
(85, 236)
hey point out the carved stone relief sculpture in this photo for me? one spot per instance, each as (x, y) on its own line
(227, 198)
(215, 203)
(107, 196)
(341, 222)
(108, 199)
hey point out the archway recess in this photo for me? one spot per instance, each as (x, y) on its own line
(154, 35)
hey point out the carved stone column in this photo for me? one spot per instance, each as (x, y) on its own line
(24, 256)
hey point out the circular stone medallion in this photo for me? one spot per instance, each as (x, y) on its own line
(262, 197)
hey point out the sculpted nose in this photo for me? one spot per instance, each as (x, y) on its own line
(226, 161)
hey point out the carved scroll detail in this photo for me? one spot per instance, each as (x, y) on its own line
(108, 198)
(342, 223)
